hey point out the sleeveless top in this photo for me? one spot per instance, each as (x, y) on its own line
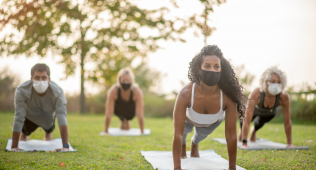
(203, 120)
(260, 110)
(123, 106)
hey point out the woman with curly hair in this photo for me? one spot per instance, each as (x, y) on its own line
(262, 105)
(213, 90)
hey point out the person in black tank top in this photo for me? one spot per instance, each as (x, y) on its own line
(262, 105)
(125, 100)
(124, 109)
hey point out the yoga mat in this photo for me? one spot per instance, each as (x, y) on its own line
(130, 132)
(39, 145)
(209, 160)
(261, 144)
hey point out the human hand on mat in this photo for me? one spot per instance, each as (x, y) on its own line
(290, 146)
(105, 133)
(244, 146)
(16, 149)
(63, 150)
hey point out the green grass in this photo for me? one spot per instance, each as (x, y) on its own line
(106, 152)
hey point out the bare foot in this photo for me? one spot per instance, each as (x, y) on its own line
(125, 125)
(253, 134)
(183, 151)
(23, 137)
(194, 150)
(239, 135)
(48, 136)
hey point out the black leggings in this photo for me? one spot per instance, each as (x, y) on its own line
(260, 121)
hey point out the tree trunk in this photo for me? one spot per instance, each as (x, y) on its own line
(82, 95)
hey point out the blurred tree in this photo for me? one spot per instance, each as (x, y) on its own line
(8, 83)
(105, 33)
(208, 8)
(245, 78)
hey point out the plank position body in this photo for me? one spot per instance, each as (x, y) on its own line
(262, 105)
(202, 103)
(124, 99)
(37, 103)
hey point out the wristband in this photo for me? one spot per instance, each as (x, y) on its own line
(65, 145)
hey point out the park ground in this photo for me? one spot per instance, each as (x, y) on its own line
(109, 152)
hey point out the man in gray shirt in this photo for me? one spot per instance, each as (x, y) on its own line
(37, 102)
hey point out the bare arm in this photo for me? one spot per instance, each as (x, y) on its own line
(254, 99)
(140, 109)
(109, 105)
(178, 126)
(231, 132)
(286, 118)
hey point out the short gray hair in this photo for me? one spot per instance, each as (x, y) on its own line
(266, 76)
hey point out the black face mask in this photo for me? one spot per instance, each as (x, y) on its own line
(126, 86)
(210, 78)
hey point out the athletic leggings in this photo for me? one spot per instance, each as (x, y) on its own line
(200, 133)
(260, 121)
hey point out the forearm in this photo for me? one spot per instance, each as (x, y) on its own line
(245, 130)
(64, 134)
(15, 139)
(288, 132)
(141, 121)
(232, 151)
(107, 122)
(176, 151)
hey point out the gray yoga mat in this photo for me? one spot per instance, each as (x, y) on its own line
(130, 132)
(209, 160)
(39, 145)
(262, 144)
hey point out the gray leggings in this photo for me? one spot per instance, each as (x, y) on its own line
(200, 133)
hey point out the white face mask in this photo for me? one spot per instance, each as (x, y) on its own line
(274, 88)
(40, 86)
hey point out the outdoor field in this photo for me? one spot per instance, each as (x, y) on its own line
(109, 152)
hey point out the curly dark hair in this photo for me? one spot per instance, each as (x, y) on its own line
(228, 83)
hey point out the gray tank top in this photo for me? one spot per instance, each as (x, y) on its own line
(262, 111)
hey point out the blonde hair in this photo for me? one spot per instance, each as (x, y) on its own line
(266, 76)
(126, 71)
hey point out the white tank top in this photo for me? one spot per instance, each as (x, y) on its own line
(203, 120)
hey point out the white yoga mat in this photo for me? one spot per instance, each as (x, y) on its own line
(130, 132)
(261, 144)
(209, 160)
(39, 145)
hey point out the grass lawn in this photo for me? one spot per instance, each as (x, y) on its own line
(107, 152)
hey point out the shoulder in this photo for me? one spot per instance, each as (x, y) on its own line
(186, 92)
(284, 98)
(113, 90)
(57, 90)
(25, 89)
(25, 84)
(138, 92)
(255, 94)
(227, 101)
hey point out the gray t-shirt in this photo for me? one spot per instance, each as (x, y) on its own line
(41, 110)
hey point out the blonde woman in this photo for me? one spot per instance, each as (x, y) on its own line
(262, 105)
(125, 100)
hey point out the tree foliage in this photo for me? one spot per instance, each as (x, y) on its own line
(106, 34)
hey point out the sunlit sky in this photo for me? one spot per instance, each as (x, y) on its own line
(257, 34)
